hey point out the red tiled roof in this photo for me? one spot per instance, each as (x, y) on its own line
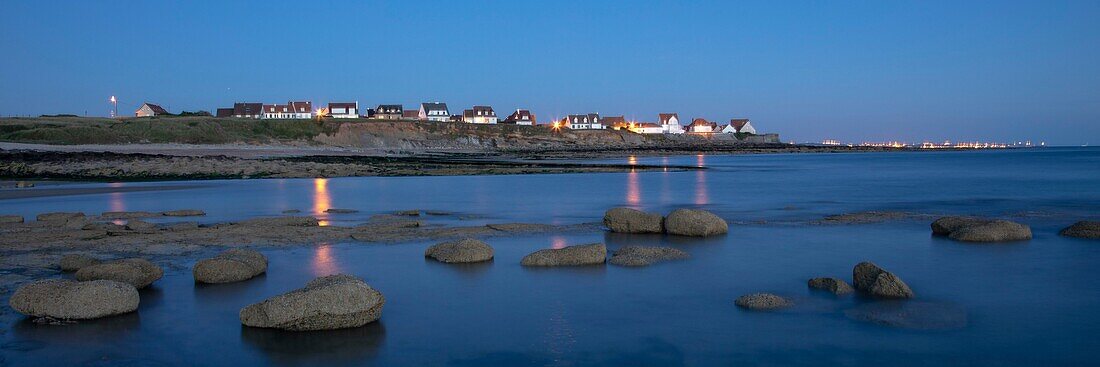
(664, 117)
(157, 110)
(738, 123)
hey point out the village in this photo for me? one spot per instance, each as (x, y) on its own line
(667, 123)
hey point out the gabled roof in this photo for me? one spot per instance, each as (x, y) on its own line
(389, 108)
(739, 123)
(593, 118)
(300, 107)
(245, 109)
(334, 105)
(612, 120)
(486, 111)
(410, 114)
(701, 122)
(224, 112)
(520, 115)
(157, 110)
(664, 117)
(433, 106)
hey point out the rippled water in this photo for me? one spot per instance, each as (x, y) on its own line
(1027, 303)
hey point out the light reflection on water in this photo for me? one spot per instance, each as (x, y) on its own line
(321, 199)
(323, 261)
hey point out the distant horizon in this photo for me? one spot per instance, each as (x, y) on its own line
(898, 71)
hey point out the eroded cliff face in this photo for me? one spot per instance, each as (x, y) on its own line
(405, 135)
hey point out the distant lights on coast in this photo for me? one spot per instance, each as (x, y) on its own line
(947, 144)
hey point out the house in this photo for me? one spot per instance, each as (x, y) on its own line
(589, 121)
(670, 123)
(455, 118)
(290, 110)
(480, 115)
(615, 122)
(248, 110)
(520, 117)
(224, 112)
(410, 115)
(739, 126)
(389, 112)
(702, 126)
(646, 128)
(148, 110)
(434, 111)
(343, 110)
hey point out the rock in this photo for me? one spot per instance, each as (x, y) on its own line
(971, 229)
(181, 226)
(331, 302)
(645, 255)
(340, 211)
(437, 212)
(58, 216)
(915, 315)
(626, 220)
(870, 278)
(520, 227)
(866, 217)
(8, 219)
(409, 213)
(71, 300)
(292, 211)
(1082, 229)
(590, 254)
(304, 221)
(183, 213)
(74, 262)
(136, 272)
(995, 231)
(232, 265)
(141, 226)
(24, 184)
(836, 286)
(126, 215)
(762, 302)
(462, 251)
(692, 222)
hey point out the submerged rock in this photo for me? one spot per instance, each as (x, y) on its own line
(462, 251)
(835, 286)
(184, 213)
(1082, 229)
(303, 221)
(292, 211)
(692, 222)
(127, 215)
(409, 213)
(58, 216)
(866, 217)
(10, 219)
(590, 254)
(139, 273)
(971, 229)
(331, 302)
(915, 315)
(141, 226)
(626, 220)
(340, 211)
(878, 282)
(762, 302)
(645, 255)
(74, 262)
(72, 300)
(232, 265)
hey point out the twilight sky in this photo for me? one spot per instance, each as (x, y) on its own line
(854, 71)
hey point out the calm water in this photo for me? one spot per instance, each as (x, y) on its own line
(1024, 303)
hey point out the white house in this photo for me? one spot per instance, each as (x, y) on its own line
(343, 110)
(739, 126)
(148, 109)
(670, 123)
(701, 125)
(480, 115)
(290, 110)
(589, 121)
(520, 117)
(647, 128)
(434, 111)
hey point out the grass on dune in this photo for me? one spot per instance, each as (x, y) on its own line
(186, 130)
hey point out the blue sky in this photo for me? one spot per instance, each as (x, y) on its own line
(849, 70)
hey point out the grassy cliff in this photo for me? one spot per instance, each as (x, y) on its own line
(186, 130)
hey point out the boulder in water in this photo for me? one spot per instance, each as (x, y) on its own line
(835, 286)
(139, 273)
(762, 302)
(462, 251)
(590, 254)
(645, 255)
(693, 222)
(1082, 229)
(340, 211)
(971, 229)
(232, 265)
(878, 282)
(71, 300)
(626, 220)
(74, 262)
(326, 303)
(184, 213)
